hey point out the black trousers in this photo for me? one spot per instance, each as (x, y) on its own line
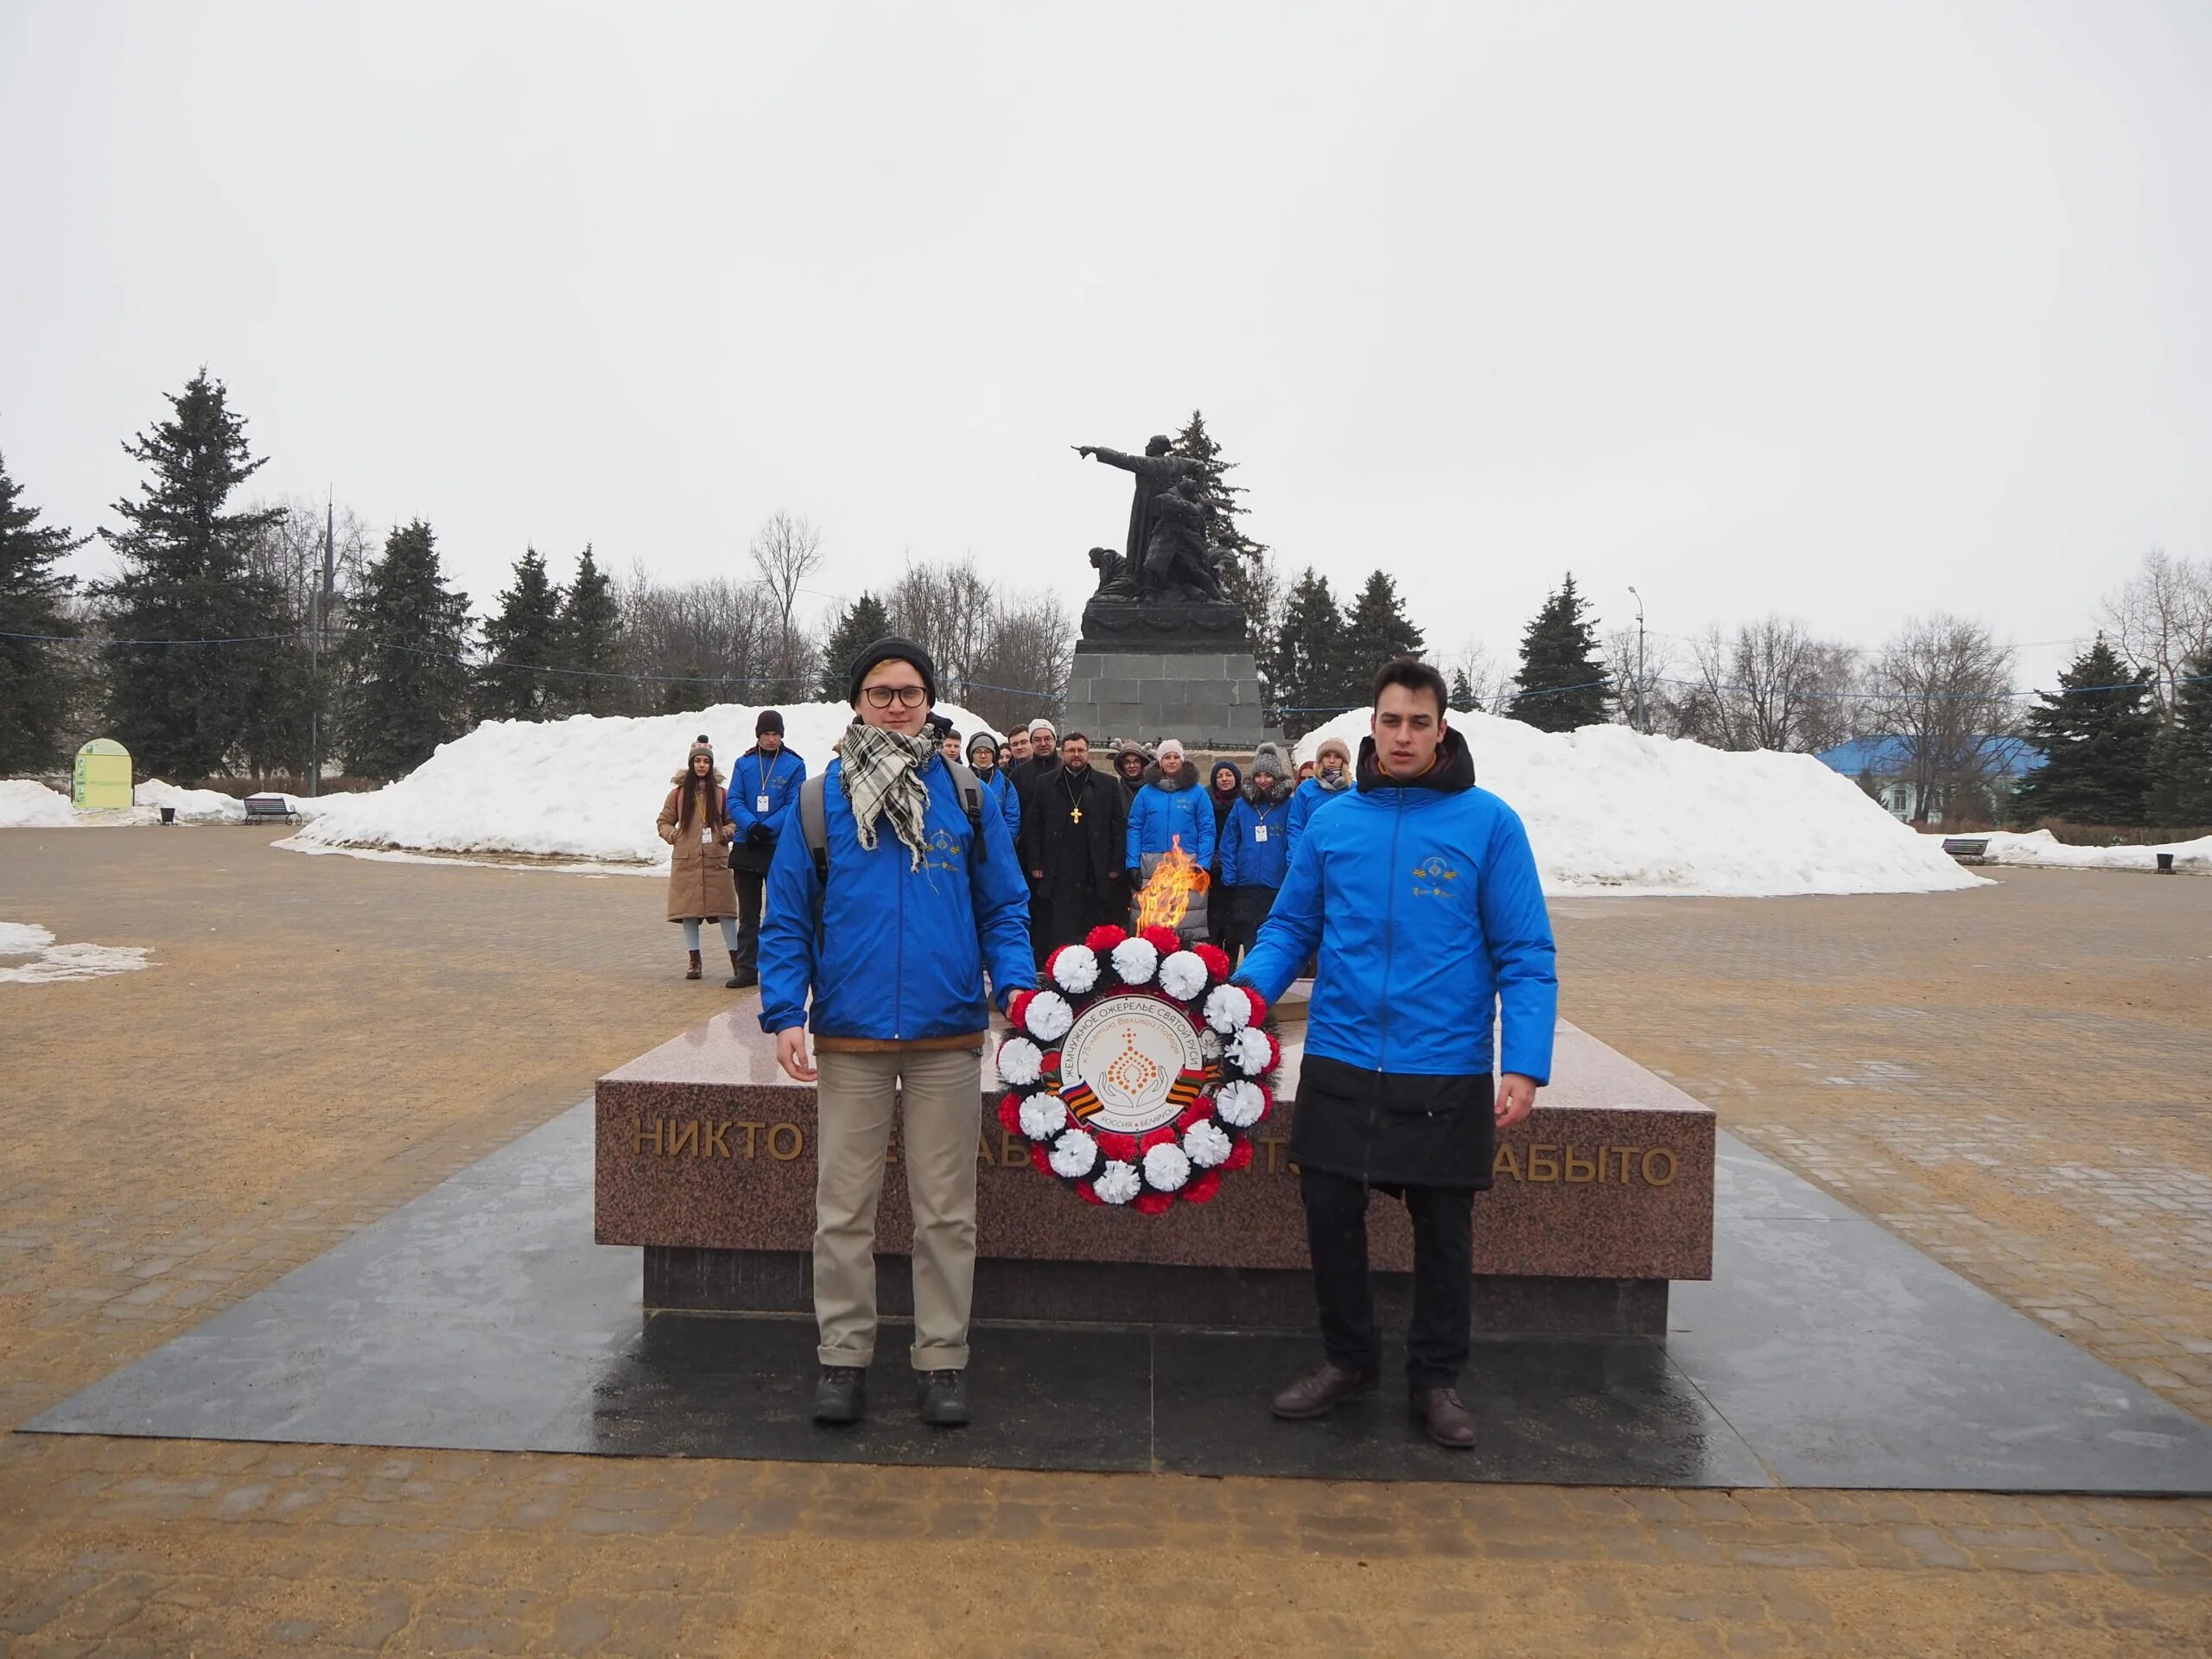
(1247, 910)
(1444, 1286)
(749, 885)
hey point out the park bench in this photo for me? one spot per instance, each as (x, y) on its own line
(262, 808)
(1966, 848)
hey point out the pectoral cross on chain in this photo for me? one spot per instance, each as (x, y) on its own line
(1075, 815)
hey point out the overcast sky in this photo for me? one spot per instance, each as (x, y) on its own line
(1850, 311)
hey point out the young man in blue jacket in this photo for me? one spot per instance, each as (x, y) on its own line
(763, 788)
(1420, 893)
(917, 902)
(1255, 849)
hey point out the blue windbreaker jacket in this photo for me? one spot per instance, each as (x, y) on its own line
(1424, 905)
(1009, 799)
(1248, 858)
(1158, 816)
(755, 775)
(902, 951)
(1309, 798)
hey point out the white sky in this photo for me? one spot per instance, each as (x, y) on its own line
(1849, 311)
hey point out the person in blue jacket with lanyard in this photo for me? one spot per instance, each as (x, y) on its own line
(763, 787)
(983, 761)
(1421, 894)
(1255, 849)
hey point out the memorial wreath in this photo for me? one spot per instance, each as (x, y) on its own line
(1137, 1072)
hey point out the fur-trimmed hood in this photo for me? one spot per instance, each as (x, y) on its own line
(1187, 779)
(715, 775)
(1284, 788)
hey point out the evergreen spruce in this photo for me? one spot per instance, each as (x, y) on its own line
(2097, 733)
(1377, 630)
(1224, 528)
(521, 644)
(2182, 794)
(1464, 700)
(864, 622)
(588, 635)
(37, 680)
(406, 633)
(1562, 683)
(1305, 670)
(185, 711)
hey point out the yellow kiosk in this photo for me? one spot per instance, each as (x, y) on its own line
(102, 775)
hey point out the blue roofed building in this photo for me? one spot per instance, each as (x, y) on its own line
(1884, 768)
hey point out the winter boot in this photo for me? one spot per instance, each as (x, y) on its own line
(696, 970)
(740, 975)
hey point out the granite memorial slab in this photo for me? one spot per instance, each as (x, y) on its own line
(705, 1156)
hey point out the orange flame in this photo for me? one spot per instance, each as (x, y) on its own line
(1175, 881)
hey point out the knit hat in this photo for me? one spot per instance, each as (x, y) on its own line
(1036, 726)
(769, 720)
(700, 746)
(1337, 744)
(983, 739)
(892, 648)
(1169, 746)
(1268, 759)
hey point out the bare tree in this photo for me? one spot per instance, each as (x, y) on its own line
(1769, 685)
(1656, 670)
(2161, 618)
(1005, 656)
(1939, 688)
(1491, 683)
(701, 643)
(786, 551)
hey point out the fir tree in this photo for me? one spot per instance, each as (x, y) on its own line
(2183, 793)
(36, 681)
(406, 633)
(1224, 528)
(2097, 733)
(1562, 683)
(1305, 670)
(1464, 700)
(864, 622)
(521, 644)
(182, 709)
(1377, 630)
(588, 635)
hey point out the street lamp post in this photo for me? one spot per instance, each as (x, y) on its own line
(1642, 712)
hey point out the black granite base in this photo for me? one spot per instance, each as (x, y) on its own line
(1120, 1293)
(1825, 1352)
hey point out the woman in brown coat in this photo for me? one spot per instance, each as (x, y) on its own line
(695, 822)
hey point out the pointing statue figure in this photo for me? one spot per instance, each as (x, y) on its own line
(1167, 547)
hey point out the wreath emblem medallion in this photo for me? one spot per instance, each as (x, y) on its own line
(1136, 1071)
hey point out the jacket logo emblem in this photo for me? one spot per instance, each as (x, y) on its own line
(1433, 879)
(941, 851)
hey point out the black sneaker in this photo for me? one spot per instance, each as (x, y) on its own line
(944, 1398)
(840, 1396)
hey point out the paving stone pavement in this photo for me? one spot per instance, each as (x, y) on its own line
(322, 1038)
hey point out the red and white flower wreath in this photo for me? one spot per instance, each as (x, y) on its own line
(1184, 1158)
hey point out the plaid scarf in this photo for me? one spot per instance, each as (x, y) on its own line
(882, 777)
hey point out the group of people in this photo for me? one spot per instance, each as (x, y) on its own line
(926, 878)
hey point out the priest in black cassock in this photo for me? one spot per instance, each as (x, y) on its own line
(1074, 821)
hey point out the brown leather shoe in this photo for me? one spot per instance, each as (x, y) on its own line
(1445, 1416)
(1323, 1391)
(693, 966)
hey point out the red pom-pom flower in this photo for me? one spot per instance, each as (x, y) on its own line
(1162, 1136)
(1114, 1145)
(1165, 940)
(1259, 1005)
(1088, 1193)
(1010, 1114)
(1201, 1187)
(1017, 1011)
(1216, 959)
(1105, 939)
(1240, 1156)
(1040, 1155)
(1152, 1204)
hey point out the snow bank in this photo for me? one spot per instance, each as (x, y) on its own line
(27, 805)
(2042, 849)
(587, 787)
(193, 806)
(1611, 810)
(49, 963)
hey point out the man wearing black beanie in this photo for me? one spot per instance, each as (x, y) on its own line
(763, 789)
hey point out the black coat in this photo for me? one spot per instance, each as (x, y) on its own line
(1083, 884)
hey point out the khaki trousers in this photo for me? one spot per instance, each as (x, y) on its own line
(942, 1089)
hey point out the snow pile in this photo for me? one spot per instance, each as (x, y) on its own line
(2042, 849)
(193, 806)
(1611, 810)
(50, 963)
(587, 787)
(27, 805)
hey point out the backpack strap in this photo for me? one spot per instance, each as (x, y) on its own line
(971, 801)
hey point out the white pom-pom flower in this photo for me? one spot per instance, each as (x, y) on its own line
(1043, 1116)
(1075, 970)
(1135, 961)
(1020, 1062)
(1118, 1182)
(1166, 1167)
(1048, 1016)
(1073, 1154)
(1183, 975)
(1205, 1145)
(1228, 1010)
(1239, 1103)
(1249, 1048)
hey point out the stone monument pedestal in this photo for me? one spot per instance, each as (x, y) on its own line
(1178, 668)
